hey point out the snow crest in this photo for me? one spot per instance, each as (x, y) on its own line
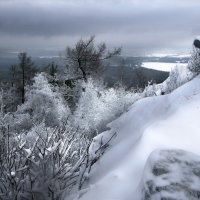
(160, 122)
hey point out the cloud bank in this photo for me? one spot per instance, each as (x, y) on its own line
(129, 23)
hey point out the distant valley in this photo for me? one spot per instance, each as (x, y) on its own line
(130, 70)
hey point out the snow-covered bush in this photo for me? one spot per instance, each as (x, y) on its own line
(98, 105)
(18, 122)
(46, 163)
(43, 103)
(194, 63)
(41, 164)
(177, 77)
(151, 90)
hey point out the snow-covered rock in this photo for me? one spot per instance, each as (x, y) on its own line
(171, 174)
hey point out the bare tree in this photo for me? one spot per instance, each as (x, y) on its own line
(86, 58)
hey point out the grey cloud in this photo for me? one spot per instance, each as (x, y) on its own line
(128, 22)
(50, 21)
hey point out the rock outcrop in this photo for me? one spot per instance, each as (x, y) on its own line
(171, 175)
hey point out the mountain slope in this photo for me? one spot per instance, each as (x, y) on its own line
(160, 122)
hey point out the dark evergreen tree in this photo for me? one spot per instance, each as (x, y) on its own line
(26, 72)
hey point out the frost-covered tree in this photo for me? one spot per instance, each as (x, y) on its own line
(99, 105)
(44, 103)
(194, 63)
(177, 77)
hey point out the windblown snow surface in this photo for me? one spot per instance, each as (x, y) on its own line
(160, 122)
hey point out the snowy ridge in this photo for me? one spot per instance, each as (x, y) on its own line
(160, 122)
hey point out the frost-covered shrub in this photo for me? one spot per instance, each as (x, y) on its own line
(194, 63)
(18, 122)
(44, 104)
(151, 90)
(99, 105)
(15, 122)
(177, 77)
(41, 164)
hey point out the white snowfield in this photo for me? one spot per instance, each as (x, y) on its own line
(162, 122)
(167, 67)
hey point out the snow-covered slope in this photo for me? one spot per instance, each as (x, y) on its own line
(161, 122)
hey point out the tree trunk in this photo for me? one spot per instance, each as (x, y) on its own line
(23, 81)
(82, 70)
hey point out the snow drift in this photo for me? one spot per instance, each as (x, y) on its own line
(160, 122)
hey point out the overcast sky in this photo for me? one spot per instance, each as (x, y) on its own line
(132, 24)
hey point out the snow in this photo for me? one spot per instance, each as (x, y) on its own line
(13, 174)
(48, 57)
(162, 55)
(160, 122)
(161, 66)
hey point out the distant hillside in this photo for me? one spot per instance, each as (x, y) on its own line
(131, 77)
(132, 74)
(40, 63)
